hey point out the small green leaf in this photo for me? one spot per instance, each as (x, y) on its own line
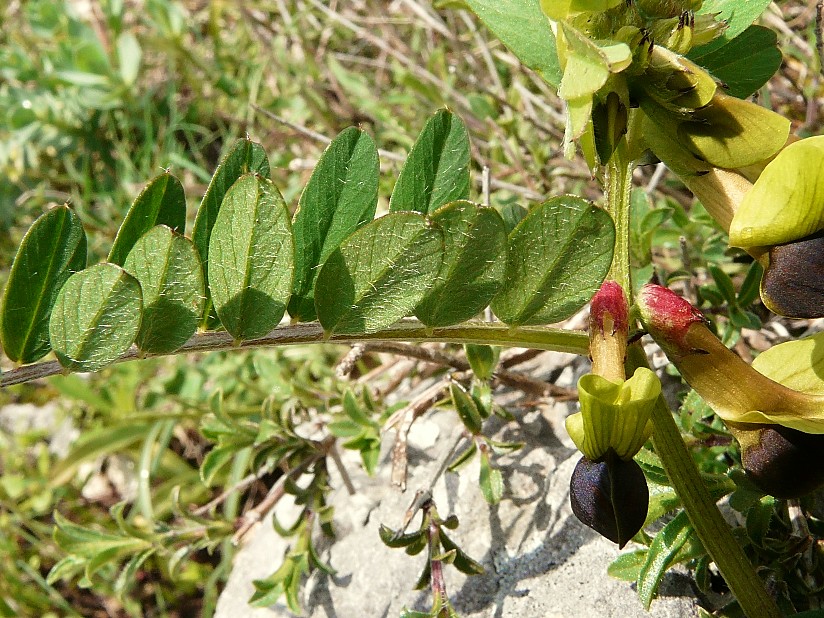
(525, 30)
(464, 457)
(661, 555)
(626, 567)
(391, 539)
(786, 203)
(482, 359)
(171, 277)
(96, 317)
(162, 202)
(340, 197)
(129, 55)
(558, 256)
(460, 560)
(436, 171)
(354, 411)
(252, 258)
(379, 274)
(744, 64)
(474, 262)
(53, 248)
(466, 408)
(724, 283)
(490, 480)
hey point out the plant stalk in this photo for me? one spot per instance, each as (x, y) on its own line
(618, 185)
(537, 337)
(707, 520)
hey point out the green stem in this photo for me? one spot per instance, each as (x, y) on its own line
(618, 184)
(707, 520)
(538, 337)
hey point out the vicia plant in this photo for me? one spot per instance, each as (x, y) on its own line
(643, 81)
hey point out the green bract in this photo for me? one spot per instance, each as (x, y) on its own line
(614, 416)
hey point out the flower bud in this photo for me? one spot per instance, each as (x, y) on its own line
(735, 390)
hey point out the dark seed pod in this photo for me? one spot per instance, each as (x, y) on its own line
(610, 496)
(793, 284)
(782, 462)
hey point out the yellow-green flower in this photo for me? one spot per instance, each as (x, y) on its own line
(614, 415)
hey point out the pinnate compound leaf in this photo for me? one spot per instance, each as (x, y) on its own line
(786, 203)
(744, 64)
(96, 317)
(170, 275)
(558, 256)
(245, 157)
(436, 171)
(162, 202)
(475, 246)
(52, 249)
(379, 274)
(341, 196)
(522, 26)
(251, 258)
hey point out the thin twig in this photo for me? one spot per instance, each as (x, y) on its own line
(239, 486)
(403, 420)
(344, 474)
(278, 490)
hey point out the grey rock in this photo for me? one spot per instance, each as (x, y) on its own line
(539, 560)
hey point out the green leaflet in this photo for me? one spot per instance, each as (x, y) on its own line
(737, 14)
(558, 256)
(162, 202)
(490, 480)
(744, 64)
(244, 157)
(341, 196)
(379, 274)
(676, 542)
(525, 30)
(475, 247)
(96, 317)
(251, 258)
(798, 364)
(171, 277)
(787, 201)
(53, 248)
(466, 408)
(437, 169)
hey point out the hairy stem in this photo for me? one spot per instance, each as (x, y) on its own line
(538, 337)
(618, 184)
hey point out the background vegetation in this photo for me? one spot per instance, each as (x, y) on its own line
(97, 96)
